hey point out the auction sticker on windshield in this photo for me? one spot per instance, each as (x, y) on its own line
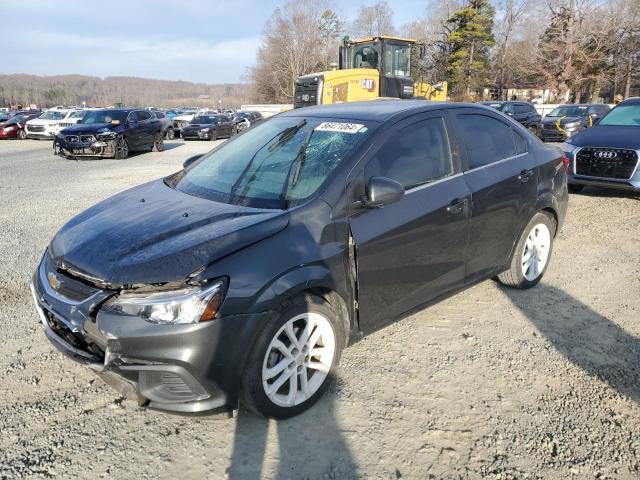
(339, 127)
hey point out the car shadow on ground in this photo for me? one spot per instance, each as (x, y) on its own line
(171, 144)
(586, 338)
(310, 445)
(590, 191)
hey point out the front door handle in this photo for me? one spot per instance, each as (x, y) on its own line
(525, 175)
(457, 206)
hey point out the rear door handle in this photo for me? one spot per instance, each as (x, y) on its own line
(525, 175)
(457, 206)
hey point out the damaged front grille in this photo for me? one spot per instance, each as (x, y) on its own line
(73, 338)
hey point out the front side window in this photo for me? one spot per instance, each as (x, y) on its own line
(142, 116)
(397, 59)
(623, 115)
(417, 154)
(486, 139)
(365, 56)
(277, 164)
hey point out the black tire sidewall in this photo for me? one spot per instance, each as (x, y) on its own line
(574, 188)
(116, 154)
(170, 134)
(252, 392)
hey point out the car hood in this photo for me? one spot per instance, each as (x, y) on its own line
(88, 127)
(199, 125)
(563, 120)
(155, 234)
(40, 121)
(608, 136)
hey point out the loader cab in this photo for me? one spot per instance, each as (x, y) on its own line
(390, 56)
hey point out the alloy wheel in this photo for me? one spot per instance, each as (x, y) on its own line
(298, 359)
(536, 251)
(122, 148)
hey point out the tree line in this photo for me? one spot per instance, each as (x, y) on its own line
(48, 91)
(579, 50)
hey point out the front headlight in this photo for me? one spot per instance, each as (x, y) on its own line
(204, 130)
(572, 125)
(185, 305)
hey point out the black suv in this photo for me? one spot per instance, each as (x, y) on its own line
(522, 112)
(168, 131)
(567, 120)
(607, 154)
(110, 133)
(209, 127)
(245, 274)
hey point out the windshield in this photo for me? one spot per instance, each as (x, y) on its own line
(623, 115)
(53, 115)
(78, 114)
(396, 60)
(569, 111)
(104, 116)
(203, 119)
(279, 163)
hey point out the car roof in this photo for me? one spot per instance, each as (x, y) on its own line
(376, 110)
(631, 101)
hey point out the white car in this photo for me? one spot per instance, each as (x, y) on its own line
(52, 121)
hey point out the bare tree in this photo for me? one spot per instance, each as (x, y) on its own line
(373, 20)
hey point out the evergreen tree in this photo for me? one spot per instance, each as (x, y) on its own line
(470, 38)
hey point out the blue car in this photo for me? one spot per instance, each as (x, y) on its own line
(606, 155)
(110, 133)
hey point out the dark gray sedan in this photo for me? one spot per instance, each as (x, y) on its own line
(243, 276)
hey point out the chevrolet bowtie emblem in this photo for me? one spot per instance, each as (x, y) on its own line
(52, 278)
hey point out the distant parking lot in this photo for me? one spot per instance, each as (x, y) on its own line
(491, 383)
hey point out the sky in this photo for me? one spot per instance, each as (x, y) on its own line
(211, 41)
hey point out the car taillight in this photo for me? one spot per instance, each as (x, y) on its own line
(565, 164)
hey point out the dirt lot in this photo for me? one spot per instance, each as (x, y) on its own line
(492, 383)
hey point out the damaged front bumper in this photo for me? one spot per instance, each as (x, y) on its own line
(184, 369)
(83, 146)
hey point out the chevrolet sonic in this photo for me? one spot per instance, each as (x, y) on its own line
(242, 277)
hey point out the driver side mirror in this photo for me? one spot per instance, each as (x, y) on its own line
(382, 191)
(190, 160)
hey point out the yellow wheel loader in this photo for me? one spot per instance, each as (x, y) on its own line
(368, 69)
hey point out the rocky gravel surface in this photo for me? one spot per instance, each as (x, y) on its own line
(492, 383)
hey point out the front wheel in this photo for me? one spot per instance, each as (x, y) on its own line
(158, 142)
(534, 129)
(22, 135)
(574, 188)
(293, 358)
(170, 134)
(122, 148)
(532, 253)
(214, 135)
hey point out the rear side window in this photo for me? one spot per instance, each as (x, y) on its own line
(143, 115)
(522, 109)
(159, 114)
(521, 143)
(417, 154)
(487, 140)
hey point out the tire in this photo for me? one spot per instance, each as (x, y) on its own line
(574, 188)
(534, 129)
(532, 253)
(122, 148)
(21, 134)
(158, 142)
(287, 369)
(214, 135)
(170, 134)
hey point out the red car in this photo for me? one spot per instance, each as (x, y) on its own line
(14, 127)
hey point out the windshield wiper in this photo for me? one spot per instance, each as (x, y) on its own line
(298, 162)
(286, 134)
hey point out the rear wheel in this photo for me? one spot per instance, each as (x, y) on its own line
(532, 253)
(214, 135)
(293, 358)
(158, 142)
(573, 188)
(122, 148)
(534, 129)
(21, 134)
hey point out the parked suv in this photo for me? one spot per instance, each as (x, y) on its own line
(209, 127)
(567, 120)
(110, 133)
(47, 125)
(245, 274)
(522, 112)
(607, 154)
(167, 124)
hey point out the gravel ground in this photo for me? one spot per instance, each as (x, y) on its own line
(491, 383)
